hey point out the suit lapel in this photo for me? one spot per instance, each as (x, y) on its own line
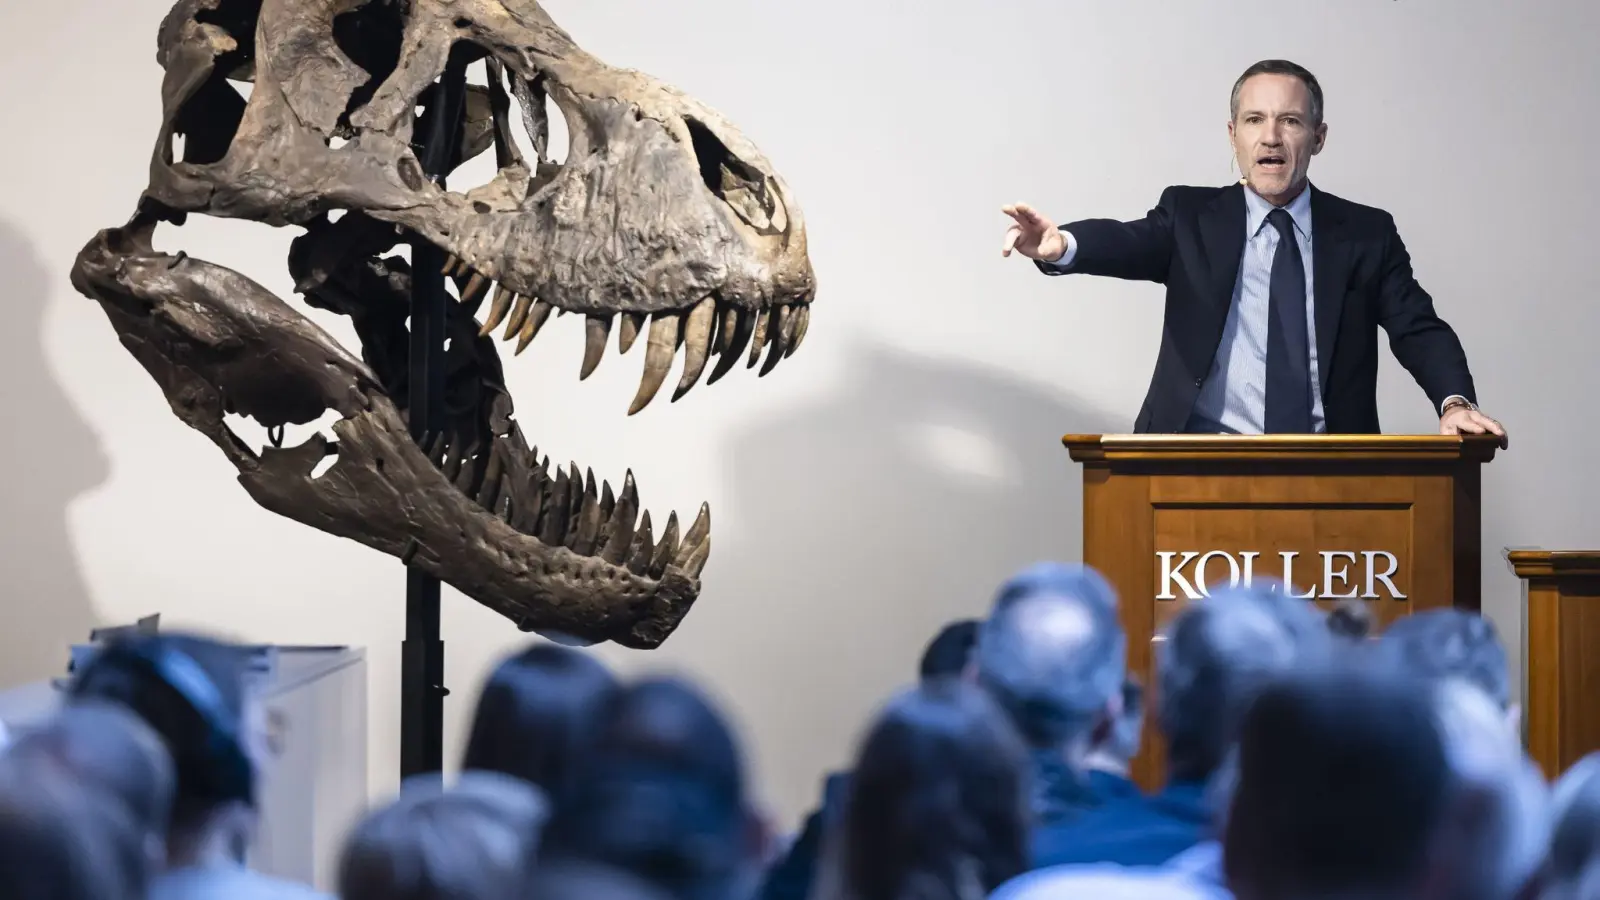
(1330, 263)
(1222, 224)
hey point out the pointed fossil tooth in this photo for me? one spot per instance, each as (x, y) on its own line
(531, 504)
(783, 324)
(507, 503)
(659, 349)
(519, 315)
(589, 517)
(695, 562)
(475, 285)
(498, 307)
(641, 547)
(489, 492)
(727, 324)
(450, 263)
(596, 331)
(553, 530)
(758, 339)
(666, 548)
(615, 549)
(802, 318)
(530, 329)
(608, 500)
(632, 324)
(745, 326)
(437, 445)
(699, 531)
(575, 491)
(468, 470)
(697, 338)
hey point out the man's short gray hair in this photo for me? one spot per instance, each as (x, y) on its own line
(476, 838)
(1217, 655)
(1053, 652)
(1450, 643)
(1497, 838)
(1574, 859)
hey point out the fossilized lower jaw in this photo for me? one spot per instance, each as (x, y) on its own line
(554, 554)
(708, 327)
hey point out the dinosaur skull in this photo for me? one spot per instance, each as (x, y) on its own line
(662, 221)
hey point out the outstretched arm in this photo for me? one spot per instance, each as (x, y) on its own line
(1137, 250)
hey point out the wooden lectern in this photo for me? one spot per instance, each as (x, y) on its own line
(1390, 519)
(1561, 603)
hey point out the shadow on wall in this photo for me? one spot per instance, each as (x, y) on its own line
(861, 522)
(49, 456)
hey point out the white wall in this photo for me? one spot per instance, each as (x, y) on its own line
(883, 479)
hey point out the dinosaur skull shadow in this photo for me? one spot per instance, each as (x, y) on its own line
(662, 221)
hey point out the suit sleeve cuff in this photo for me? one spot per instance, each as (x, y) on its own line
(1059, 264)
(1446, 402)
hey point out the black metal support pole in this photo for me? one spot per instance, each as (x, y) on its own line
(422, 689)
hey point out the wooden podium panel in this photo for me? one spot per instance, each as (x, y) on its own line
(1389, 519)
(1560, 663)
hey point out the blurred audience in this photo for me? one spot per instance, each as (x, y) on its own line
(1307, 755)
(537, 714)
(938, 805)
(195, 694)
(475, 839)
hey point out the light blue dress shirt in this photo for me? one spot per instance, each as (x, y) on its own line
(1233, 398)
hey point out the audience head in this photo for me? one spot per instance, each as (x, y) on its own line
(63, 840)
(537, 713)
(475, 840)
(661, 794)
(1497, 829)
(949, 654)
(586, 881)
(1218, 653)
(1053, 654)
(111, 753)
(1342, 785)
(1452, 643)
(938, 802)
(1573, 867)
(193, 692)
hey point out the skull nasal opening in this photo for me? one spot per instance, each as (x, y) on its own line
(745, 189)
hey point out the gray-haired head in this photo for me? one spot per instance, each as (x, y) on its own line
(1451, 643)
(1218, 653)
(62, 840)
(107, 748)
(1574, 860)
(1053, 653)
(1497, 830)
(476, 838)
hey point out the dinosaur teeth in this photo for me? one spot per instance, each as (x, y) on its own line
(660, 347)
(597, 329)
(697, 344)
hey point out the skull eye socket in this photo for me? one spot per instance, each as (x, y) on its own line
(745, 189)
(209, 118)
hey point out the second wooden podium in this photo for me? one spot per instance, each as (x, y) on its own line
(1390, 519)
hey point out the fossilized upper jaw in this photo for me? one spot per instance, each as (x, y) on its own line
(660, 202)
(554, 553)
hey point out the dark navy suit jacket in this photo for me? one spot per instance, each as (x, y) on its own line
(1192, 242)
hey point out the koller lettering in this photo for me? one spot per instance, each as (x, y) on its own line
(1187, 573)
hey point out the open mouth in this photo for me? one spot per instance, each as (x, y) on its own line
(664, 226)
(1271, 163)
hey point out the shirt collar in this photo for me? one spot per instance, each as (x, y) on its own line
(1256, 210)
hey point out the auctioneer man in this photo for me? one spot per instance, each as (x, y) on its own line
(1275, 289)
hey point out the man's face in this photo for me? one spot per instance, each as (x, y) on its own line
(1273, 135)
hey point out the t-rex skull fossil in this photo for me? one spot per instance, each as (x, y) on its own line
(663, 220)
